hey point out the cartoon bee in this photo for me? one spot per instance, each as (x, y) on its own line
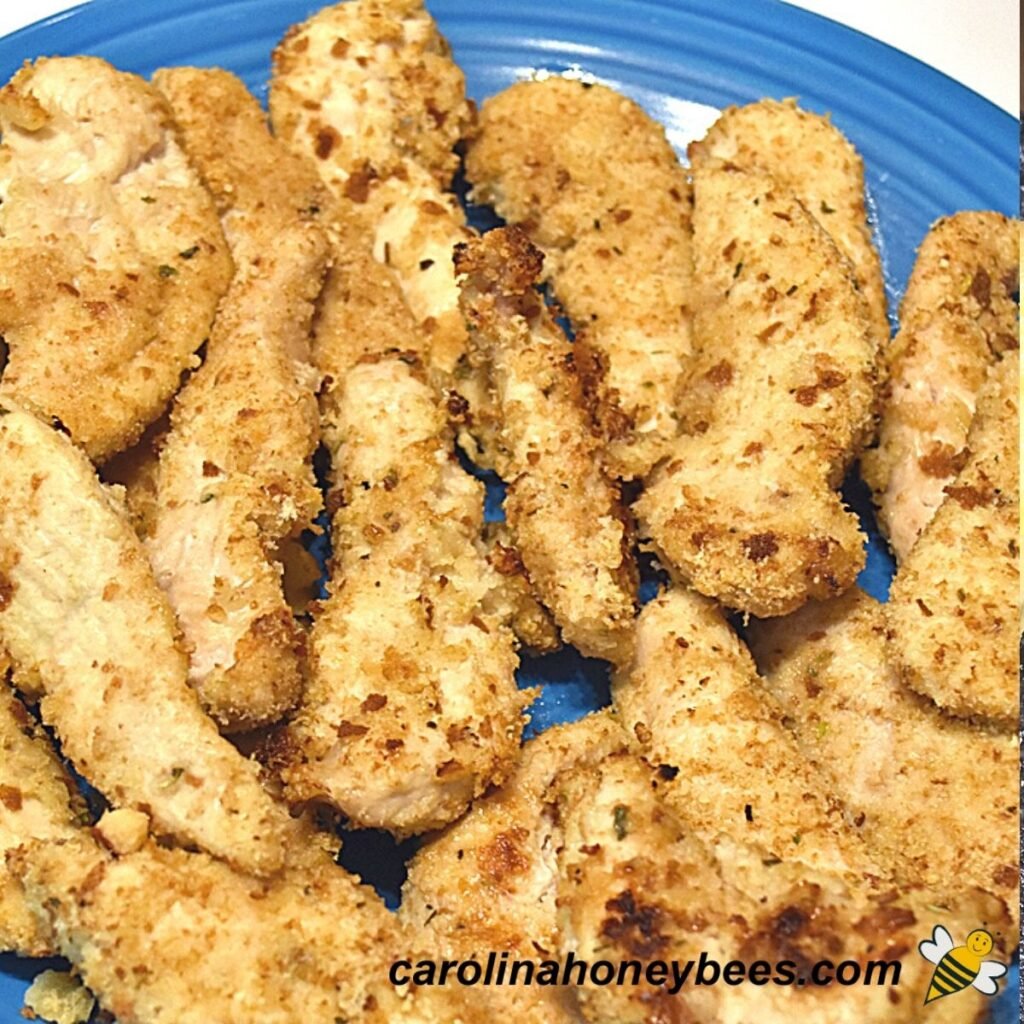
(960, 966)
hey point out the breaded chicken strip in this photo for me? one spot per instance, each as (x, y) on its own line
(561, 507)
(136, 469)
(693, 705)
(958, 316)
(934, 797)
(111, 256)
(636, 885)
(368, 89)
(488, 882)
(779, 400)
(952, 611)
(38, 800)
(87, 627)
(236, 480)
(169, 936)
(412, 708)
(807, 155)
(595, 183)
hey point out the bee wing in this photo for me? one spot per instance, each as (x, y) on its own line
(934, 949)
(985, 981)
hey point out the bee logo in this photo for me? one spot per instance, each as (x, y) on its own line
(956, 967)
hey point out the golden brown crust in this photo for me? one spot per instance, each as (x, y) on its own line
(779, 399)
(561, 507)
(958, 316)
(806, 154)
(235, 477)
(595, 183)
(100, 325)
(952, 610)
(75, 581)
(38, 800)
(934, 797)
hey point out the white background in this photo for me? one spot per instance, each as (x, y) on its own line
(973, 41)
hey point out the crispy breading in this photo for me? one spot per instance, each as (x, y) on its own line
(691, 701)
(563, 510)
(488, 881)
(235, 480)
(934, 797)
(87, 627)
(779, 400)
(636, 885)
(38, 800)
(595, 183)
(412, 707)
(809, 156)
(957, 317)
(369, 91)
(952, 610)
(100, 307)
(169, 936)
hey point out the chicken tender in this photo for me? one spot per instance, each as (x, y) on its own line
(779, 399)
(236, 480)
(38, 800)
(112, 260)
(958, 316)
(807, 155)
(87, 627)
(561, 507)
(488, 882)
(636, 885)
(168, 936)
(934, 797)
(595, 183)
(692, 702)
(369, 90)
(952, 610)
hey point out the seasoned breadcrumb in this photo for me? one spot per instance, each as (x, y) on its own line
(807, 155)
(561, 507)
(38, 800)
(87, 627)
(235, 480)
(598, 188)
(368, 90)
(488, 881)
(100, 307)
(779, 400)
(934, 797)
(636, 885)
(169, 937)
(693, 705)
(952, 610)
(958, 316)
(412, 708)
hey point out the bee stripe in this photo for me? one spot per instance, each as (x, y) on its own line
(959, 968)
(951, 976)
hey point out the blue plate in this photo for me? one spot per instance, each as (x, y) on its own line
(930, 145)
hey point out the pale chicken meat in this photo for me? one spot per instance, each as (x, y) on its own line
(597, 186)
(693, 706)
(489, 881)
(958, 317)
(562, 508)
(779, 400)
(235, 480)
(810, 157)
(637, 886)
(88, 629)
(38, 800)
(934, 797)
(112, 259)
(952, 611)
